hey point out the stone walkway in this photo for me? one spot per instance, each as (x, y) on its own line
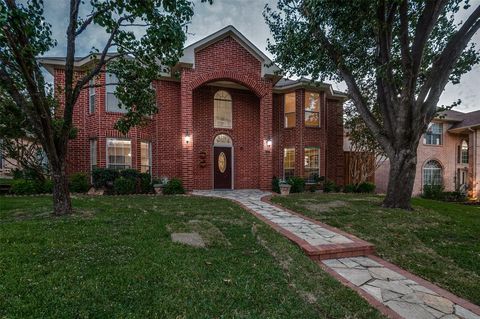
(392, 290)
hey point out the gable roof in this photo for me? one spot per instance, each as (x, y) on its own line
(188, 58)
(288, 85)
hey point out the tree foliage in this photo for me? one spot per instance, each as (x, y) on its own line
(143, 38)
(394, 55)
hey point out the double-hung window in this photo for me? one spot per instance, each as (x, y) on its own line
(119, 153)
(112, 103)
(93, 154)
(288, 163)
(434, 134)
(91, 96)
(289, 110)
(145, 157)
(312, 109)
(312, 164)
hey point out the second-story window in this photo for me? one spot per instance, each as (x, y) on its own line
(91, 96)
(463, 153)
(289, 110)
(222, 110)
(312, 109)
(434, 134)
(112, 103)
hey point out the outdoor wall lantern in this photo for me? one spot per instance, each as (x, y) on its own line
(187, 137)
(269, 142)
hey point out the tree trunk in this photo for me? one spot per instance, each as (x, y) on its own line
(401, 179)
(62, 204)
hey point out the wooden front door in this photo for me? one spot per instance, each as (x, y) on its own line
(222, 167)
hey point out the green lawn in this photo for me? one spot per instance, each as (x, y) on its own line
(437, 241)
(114, 258)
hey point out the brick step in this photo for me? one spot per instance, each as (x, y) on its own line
(355, 249)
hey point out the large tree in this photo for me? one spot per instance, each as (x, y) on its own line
(395, 54)
(135, 59)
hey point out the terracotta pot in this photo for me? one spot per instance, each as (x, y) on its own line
(285, 189)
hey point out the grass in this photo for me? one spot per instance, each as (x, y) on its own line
(437, 241)
(114, 258)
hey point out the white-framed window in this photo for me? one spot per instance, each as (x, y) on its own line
(288, 162)
(432, 173)
(112, 102)
(311, 164)
(119, 153)
(93, 154)
(222, 110)
(312, 109)
(463, 153)
(145, 157)
(91, 96)
(434, 134)
(289, 109)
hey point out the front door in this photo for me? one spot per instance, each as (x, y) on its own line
(222, 167)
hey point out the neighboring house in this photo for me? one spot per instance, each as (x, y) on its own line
(228, 121)
(447, 155)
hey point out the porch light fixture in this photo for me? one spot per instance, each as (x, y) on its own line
(269, 142)
(187, 137)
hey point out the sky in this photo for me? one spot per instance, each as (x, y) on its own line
(246, 16)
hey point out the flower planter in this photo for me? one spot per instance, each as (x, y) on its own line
(285, 189)
(158, 189)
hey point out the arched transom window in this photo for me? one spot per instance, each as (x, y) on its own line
(222, 110)
(222, 139)
(432, 173)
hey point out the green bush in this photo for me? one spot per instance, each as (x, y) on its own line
(329, 186)
(297, 183)
(78, 183)
(124, 186)
(174, 186)
(130, 173)
(145, 183)
(366, 187)
(46, 186)
(104, 177)
(433, 192)
(350, 188)
(22, 186)
(276, 184)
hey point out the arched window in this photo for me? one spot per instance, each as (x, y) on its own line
(464, 152)
(222, 110)
(222, 140)
(432, 173)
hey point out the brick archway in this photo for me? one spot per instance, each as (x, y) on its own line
(261, 87)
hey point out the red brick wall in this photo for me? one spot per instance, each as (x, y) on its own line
(245, 136)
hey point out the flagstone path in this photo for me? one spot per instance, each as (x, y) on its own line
(395, 292)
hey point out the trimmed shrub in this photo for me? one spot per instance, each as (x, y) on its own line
(173, 186)
(78, 183)
(433, 192)
(454, 196)
(312, 187)
(24, 187)
(329, 186)
(350, 188)
(276, 184)
(124, 186)
(145, 183)
(104, 177)
(130, 173)
(297, 183)
(46, 186)
(366, 187)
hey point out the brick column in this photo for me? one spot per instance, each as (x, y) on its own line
(186, 106)
(266, 171)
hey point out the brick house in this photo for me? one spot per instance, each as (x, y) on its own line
(447, 155)
(227, 121)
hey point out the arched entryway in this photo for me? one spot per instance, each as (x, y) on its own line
(223, 162)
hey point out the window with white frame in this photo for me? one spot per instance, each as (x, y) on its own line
(119, 153)
(312, 164)
(145, 157)
(222, 110)
(112, 103)
(312, 109)
(464, 152)
(432, 173)
(93, 154)
(91, 96)
(289, 110)
(434, 134)
(288, 163)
